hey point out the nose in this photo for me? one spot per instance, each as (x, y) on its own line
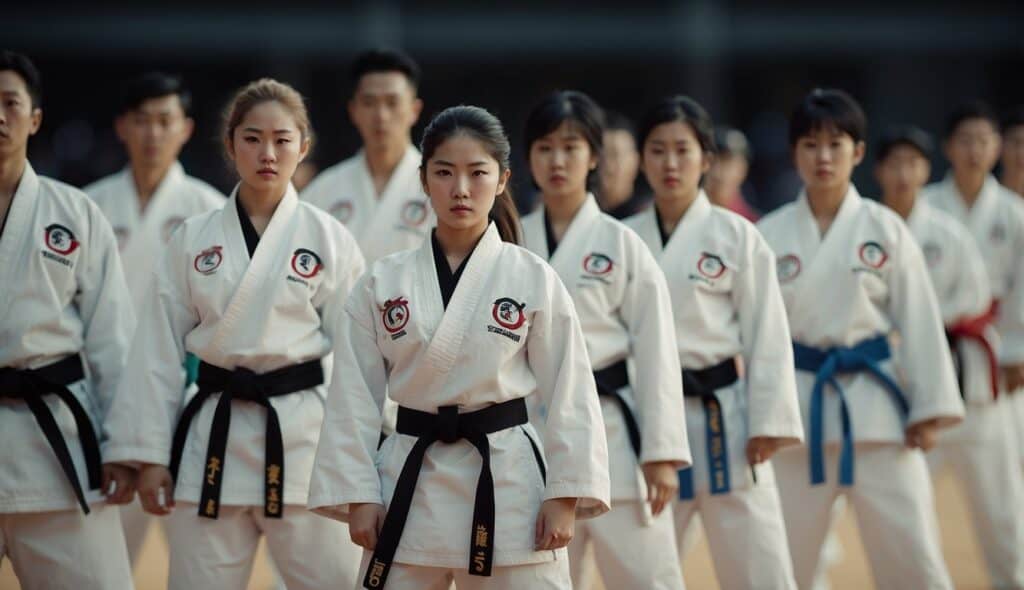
(671, 160)
(461, 187)
(267, 153)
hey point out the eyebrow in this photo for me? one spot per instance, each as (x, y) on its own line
(276, 131)
(447, 163)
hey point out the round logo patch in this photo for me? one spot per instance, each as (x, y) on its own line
(208, 260)
(414, 212)
(787, 267)
(932, 253)
(598, 264)
(306, 263)
(395, 314)
(710, 265)
(60, 239)
(873, 254)
(508, 313)
(169, 226)
(342, 211)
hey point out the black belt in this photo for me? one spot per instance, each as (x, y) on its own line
(447, 426)
(243, 385)
(609, 380)
(703, 383)
(30, 385)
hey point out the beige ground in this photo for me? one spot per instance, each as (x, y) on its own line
(852, 573)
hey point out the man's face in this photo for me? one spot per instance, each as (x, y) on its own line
(19, 118)
(384, 109)
(154, 133)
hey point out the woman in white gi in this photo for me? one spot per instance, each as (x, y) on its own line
(626, 314)
(728, 314)
(852, 275)
(65, 324)
(459, 333)
(252, 290)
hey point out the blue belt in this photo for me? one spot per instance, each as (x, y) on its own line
(827, 364)
(702, 384)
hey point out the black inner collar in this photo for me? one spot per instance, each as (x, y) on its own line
(446, 279)
(252, 238)
(549, 233)
(10, 207)
(661, 227)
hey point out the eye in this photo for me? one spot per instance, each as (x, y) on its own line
(543, 148)
(251, 139)
(479, 173)
(442, 172)
(283, 140)
(13, 103)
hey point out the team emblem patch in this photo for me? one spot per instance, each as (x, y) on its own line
(873, 254)
(788, 267)
(342, 211)
(710, 266)
(169, 226)
(598, 264)
(932, 253)
(508, 313)
(395, 315)
(208, 260)
(414, 212)
(306, 263)
(60, 239)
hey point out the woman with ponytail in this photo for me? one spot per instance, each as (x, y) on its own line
(461, 333)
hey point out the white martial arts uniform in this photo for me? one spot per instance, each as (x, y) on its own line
(509, 332)
(141, 236)
(727, 304)
(259, 314)
(853, 287)
(626, 314)
(62, 293)
(996, 220)
(399, 218)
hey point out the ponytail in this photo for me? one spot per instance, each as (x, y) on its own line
(505, 217)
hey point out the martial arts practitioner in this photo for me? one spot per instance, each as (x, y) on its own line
(729, 169)
(995, 217)
(1012, 127)
(65, 325)
(252, 289)
(851, 275)
(618, 168)
(727, 308)
(147, 200)
(460, 333)
(626, 314)
(979, 448)
(376, 193)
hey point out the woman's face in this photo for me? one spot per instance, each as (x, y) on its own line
(266, 147)
(825, 158)
(673, 160)
(462, 180)
(560, 162)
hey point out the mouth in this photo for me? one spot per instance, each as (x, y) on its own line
(461, 209)
(558, 179)
(672, 181)
(267, 173)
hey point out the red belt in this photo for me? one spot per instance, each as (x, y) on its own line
(973, 328)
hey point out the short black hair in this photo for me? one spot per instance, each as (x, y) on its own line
(150, 85)
(965, 111)
(731, 141)
(827, 107)
(567, 105)
(20, 64)
(385, 60)
(1014, 117)
(616, 121)
(908, 135)
(685, 110)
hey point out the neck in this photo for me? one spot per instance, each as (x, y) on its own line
(611, 199)
(561, 209)
(383, 159)
(147, 179)
(457, 243)
(1013, 180)
(671, 209)
(11, 170)
(901, 204)
(825, 202)
(260, 204)
(969, 186)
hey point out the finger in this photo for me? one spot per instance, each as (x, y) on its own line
(168, 494)
(107, 480)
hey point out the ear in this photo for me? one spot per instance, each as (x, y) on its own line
(505, 176)
(417, 109)
(706, 161)
(423, 180)
(229, 148)
(304, 148)
(858, 153)
(121, 128)
(189, 127)
(37, 121)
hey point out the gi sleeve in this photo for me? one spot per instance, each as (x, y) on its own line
(1011, 309)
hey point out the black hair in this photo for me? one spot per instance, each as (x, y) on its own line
(684, 110)
(1012, 118)
(828, 108)
(731, 141)
(20, 64)
(616, 121)
(908, 135)
(965, 111)
(150, 85)
(484, 127)
(385, 60)
(572, 106)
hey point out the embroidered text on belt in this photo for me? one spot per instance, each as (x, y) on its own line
(609, 381)
(702, 384)
(974, 329)
(447, 426)
(30, 385)
(827, 364)
(242, 385)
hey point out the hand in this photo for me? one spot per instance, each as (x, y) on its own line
(662, 479)
(118, 483)
(761, 448)
(1013, 376)
(922, 435)
(555, 524)
(364, 522)
(156, 489)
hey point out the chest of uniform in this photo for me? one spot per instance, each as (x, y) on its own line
(704, 268)
(410, 215)
(857, 266)
(58, 246)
